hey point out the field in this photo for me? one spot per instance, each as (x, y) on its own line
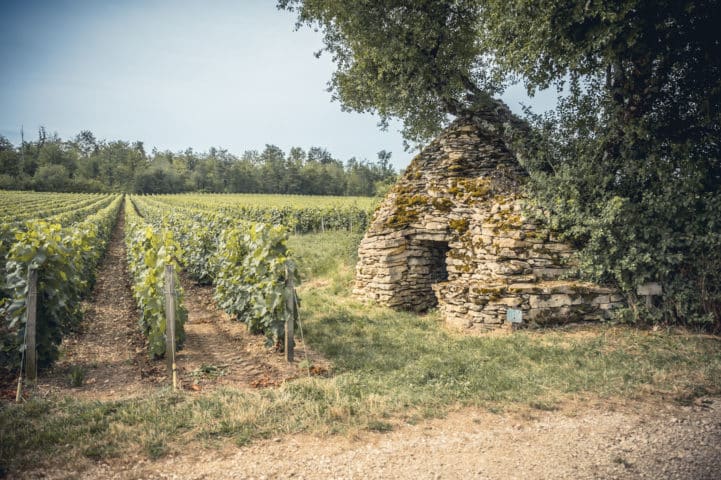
(271, 201)
(299, 213)
(361, 372)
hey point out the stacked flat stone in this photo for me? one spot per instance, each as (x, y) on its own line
(459, 210)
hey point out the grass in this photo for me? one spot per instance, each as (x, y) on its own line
(327, 255)
(389, 368)
(76, 376)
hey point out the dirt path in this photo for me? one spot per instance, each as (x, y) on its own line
(220, 351)
(603, 440)
(110, 349)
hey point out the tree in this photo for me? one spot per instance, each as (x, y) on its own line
(272, 169)
(628, 166)
(54, 153)
(418, 60)
(86, 143)
(9, 158)
(51, 177)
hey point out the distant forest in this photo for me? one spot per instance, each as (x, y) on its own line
(86, 164)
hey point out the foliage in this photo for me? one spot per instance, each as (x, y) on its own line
(65, 259)
(416, 60)
(301, 214)
(150, 249)
(44, 247)
(86, 165)
(247, 262)
(250, 282)
(629, 164)
(63, 208)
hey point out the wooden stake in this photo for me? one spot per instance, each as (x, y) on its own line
(31, 304)
(170, 324)
(290, 322)
(19, 392)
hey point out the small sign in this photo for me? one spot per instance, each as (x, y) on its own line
(649, 289)
(514, 315)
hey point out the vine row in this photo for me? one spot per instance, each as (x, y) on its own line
(65, 258)
(247, 262)
(150, 248)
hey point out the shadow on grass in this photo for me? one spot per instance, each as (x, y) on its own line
(393, 353)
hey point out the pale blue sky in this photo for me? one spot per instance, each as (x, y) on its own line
(178, 74)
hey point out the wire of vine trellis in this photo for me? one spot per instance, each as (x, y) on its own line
(300, 326)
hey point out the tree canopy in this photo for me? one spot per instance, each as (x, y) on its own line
(418, 60)
(628, 166)
(85, 164)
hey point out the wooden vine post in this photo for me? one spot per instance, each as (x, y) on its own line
(170, 324)
(30, 353)
(31, 359)
(290, 318)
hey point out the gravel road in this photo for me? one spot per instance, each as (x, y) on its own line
(601, 439)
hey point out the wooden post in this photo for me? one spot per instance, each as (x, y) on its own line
(290, 322)
(170, 324)
(31, 304)
(322, 224)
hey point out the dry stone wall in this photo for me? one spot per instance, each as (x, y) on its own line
(452, 233)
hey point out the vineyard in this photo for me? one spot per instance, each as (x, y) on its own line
(103, 395)
(236, 243)
(298, 213)
(62, 241)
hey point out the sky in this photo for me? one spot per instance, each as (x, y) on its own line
(176, 74)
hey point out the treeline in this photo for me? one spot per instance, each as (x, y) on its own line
(86, 164)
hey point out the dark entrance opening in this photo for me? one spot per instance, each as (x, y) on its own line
(429, 269)
(437, 269)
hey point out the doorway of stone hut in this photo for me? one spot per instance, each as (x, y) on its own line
(433, 269)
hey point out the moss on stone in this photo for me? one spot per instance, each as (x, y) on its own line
(460, 225)
(408, 207)
(476, 187)
(442, 204)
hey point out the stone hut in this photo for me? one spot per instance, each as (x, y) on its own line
(452, 233)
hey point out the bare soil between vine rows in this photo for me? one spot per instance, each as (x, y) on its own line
(112, 353)
(219, 351)
(109, 349)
